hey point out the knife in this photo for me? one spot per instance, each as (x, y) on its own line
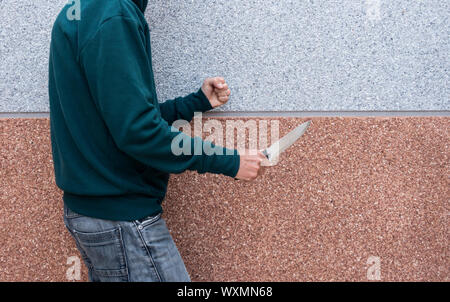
(273, 152)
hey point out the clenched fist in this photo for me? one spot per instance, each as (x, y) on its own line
(216, 90)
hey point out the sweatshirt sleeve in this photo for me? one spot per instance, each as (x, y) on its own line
(183, 108)
(119, 75)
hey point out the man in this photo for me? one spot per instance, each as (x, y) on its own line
(111, 142)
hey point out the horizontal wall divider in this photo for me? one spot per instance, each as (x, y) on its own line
(325, 113)
(232, 114)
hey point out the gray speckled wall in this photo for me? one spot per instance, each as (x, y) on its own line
(277, 55)
(25, 28)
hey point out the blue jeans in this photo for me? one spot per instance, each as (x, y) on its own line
(120, 251)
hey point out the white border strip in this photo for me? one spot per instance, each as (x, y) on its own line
(443, 113)
(24, 115)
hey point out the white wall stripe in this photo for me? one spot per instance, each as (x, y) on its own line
(299, 114)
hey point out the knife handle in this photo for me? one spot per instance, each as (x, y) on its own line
(265, 154)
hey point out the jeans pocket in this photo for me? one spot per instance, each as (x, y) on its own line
(106, 253)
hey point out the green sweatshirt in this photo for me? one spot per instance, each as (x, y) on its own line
(111, 139)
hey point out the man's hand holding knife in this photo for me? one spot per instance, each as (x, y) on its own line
(218, 93)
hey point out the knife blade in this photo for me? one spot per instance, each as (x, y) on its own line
(273, 152)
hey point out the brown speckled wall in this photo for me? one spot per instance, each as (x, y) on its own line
(352, 188)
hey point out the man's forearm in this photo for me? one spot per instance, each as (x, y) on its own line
(183, 108)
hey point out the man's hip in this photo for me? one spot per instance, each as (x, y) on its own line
(120, 251)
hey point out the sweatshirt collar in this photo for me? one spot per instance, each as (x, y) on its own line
(142, 4)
